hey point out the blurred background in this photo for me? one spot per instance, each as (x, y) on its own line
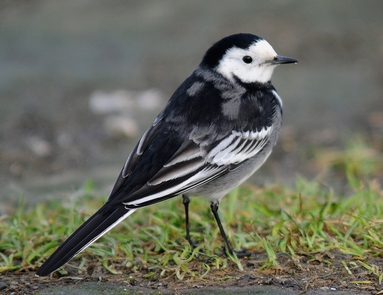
(81, 80)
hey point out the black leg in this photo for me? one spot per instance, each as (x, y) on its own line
(241, 253)
(186, 201)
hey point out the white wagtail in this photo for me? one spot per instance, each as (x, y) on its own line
(217, 129)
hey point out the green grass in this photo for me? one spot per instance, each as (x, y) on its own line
(309, 220)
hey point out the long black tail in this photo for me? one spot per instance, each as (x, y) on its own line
(97, 225)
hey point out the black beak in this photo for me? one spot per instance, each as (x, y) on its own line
(279, 60)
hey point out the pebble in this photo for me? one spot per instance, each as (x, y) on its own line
(121, 127)
(2, 285)
(39, 146)
(122, 101)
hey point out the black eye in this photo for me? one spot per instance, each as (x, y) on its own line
(247, 59)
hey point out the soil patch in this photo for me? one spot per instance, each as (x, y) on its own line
(325, 273)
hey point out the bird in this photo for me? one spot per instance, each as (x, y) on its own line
(216, 130)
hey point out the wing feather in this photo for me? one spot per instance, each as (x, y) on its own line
(195, 164)
(179, 186)
(176, 171)
(140, 148)
(239, 147)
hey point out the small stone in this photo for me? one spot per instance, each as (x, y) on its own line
(121, 127)
(150, 99)
(324, 288)
(39, 146)
(3, 285)
(108, 103)
(122, 101)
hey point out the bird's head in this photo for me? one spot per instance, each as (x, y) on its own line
(246, 57)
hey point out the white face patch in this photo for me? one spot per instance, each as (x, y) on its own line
(259, 70)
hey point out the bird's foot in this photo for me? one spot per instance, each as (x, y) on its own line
(239, 253)
(193, 243)
(242, 253)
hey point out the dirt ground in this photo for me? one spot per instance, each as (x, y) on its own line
(324, 273)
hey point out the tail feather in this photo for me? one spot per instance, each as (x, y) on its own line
(95, 227)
